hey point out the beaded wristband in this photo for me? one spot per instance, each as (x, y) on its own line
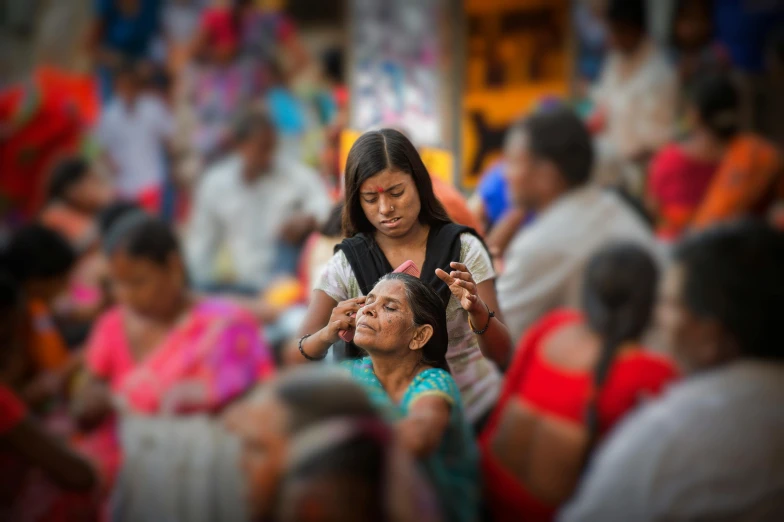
(306, 356)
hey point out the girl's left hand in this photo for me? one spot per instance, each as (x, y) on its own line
(462, 285)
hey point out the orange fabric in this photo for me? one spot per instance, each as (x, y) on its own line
(455, 205)
(48, 349)
(746, 182)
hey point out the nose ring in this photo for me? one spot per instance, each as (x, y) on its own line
(391, 208)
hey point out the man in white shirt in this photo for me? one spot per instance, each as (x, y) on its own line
(134, 132)
(260, 203)
(549, 159)
(636, 97)
(712, 448)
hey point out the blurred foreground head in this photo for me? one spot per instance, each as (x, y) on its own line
(40, 260)
(267, 422)
(351, 470)
(723, 297)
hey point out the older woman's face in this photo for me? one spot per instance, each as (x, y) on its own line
(385, 323)
(391, 202)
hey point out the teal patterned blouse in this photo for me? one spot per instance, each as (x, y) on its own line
(453, 468)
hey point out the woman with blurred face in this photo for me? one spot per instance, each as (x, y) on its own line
(392, 216)
(162, 350)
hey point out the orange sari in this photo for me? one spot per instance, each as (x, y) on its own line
(748, 182)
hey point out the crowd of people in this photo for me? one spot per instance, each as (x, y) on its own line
(206, 317)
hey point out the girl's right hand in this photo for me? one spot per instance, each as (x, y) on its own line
(341, 319)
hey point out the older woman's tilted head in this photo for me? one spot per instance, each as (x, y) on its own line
(403, 317)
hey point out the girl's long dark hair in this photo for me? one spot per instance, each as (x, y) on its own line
(373, 153)
(427, 308)
(618, 300)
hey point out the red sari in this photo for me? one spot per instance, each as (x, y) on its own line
(41, 121)
(634, 375)
(677, 184)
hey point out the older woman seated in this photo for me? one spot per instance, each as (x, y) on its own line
(402, 327)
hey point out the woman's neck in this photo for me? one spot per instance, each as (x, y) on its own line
(396, 372)
(414, 238)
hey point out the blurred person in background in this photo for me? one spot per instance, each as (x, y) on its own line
(681, 172)
(575, 375)
(179, 23)
(403, 329)
(636, 98)
(392, 216)
(287, 112)
(41, 261)
(76, 195)
(750, 177)
(162, 350)
(268, 420)
(262, 203)
(353, 470)
(695, 50)
(42, 480)
(268, 34)
(332, 103)
(122, 30)
(220, 84)
(134, 134)
(745, 28)
(41, 120)
(711, 448)
(549, 168)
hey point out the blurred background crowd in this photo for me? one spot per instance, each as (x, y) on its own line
(201, 198)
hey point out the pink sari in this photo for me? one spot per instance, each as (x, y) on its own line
(211, 358)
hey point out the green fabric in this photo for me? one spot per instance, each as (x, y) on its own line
(454, 467)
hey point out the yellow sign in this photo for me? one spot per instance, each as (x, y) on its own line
(518, 54)
(439, 162)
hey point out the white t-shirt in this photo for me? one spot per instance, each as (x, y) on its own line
(478, 378)
(249, 217)
(134, 138)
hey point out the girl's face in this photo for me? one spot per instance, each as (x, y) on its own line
(148, 288)
(390, 201)
(386, 323)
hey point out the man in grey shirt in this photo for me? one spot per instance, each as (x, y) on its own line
(712, 448)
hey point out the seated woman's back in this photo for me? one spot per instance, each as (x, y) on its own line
(574, 376)
(556, 374)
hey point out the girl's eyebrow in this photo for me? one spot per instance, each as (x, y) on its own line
(379, 190)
